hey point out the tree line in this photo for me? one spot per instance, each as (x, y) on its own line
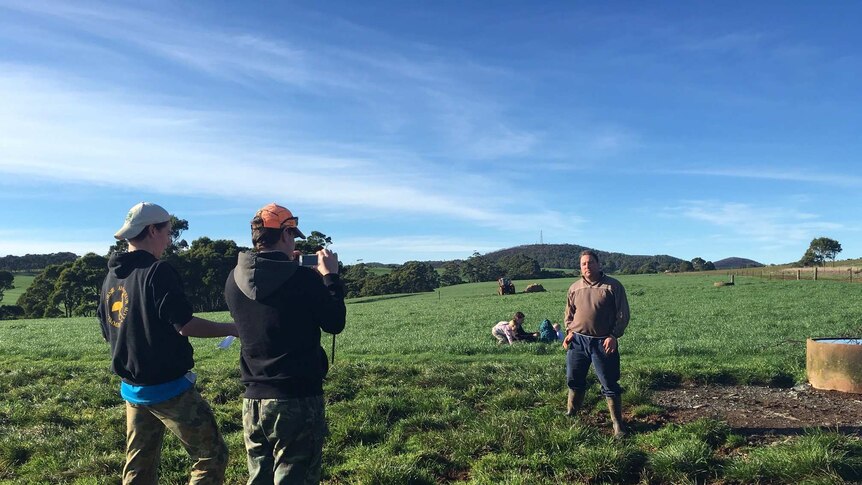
(569, 255)
(69, 285)
(418, 276)
(72, 288)
(34, 262)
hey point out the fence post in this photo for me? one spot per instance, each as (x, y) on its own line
(798, 271)
(815, 273)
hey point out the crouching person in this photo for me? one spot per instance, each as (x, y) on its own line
(280, 309)
(147, 320)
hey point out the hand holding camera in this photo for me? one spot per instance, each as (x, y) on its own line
(324, 261)
(327, 262)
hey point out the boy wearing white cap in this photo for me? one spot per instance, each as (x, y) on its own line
(146, 319)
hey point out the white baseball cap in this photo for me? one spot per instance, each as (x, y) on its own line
(141, 216)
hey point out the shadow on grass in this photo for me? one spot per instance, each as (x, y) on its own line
(756, 431)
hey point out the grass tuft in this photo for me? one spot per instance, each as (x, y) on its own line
(815, 457)
(683, 460)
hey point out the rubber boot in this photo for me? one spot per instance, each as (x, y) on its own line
(574, 402)
(615, 407)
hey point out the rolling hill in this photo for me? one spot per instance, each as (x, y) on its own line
(568, 256)
(736, 263)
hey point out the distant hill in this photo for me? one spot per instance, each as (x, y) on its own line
(567, 256)
(736, 263)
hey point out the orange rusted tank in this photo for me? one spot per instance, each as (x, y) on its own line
(835, 364)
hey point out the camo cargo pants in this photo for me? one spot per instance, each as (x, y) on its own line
(284, 439)
(191, 420)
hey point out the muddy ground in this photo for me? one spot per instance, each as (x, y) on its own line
(754, 410)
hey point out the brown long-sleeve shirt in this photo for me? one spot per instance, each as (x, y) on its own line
(597, 309)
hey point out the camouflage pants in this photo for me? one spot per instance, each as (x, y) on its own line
(284, 439)
(191, 420)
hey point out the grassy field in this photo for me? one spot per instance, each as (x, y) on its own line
(22, 281)
(379, 270)
(420, 393)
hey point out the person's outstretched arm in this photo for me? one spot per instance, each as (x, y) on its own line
(200, 327)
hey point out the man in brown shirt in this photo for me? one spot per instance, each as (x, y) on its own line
(597, 313)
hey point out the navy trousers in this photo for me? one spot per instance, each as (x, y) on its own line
(584, 351)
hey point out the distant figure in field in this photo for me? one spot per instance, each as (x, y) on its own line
(550, 332)
(504, 332)
(147, 320)
(511, 331)
(520, 333)
(597, 313)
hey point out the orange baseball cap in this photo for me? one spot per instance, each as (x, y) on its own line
(275, 216)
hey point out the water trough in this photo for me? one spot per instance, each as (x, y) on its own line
(835, 364)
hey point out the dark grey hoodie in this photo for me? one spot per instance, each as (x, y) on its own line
(280, 309)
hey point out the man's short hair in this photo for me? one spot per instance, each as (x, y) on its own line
(518, 315)
(264, 237)
(591, 253)
(145, 232)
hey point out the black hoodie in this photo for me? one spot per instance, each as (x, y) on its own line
(141, 309)
(280, 308)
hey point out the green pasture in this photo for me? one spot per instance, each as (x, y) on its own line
(569, 271)
(21, 282)
(682, 327)
(379, 270)
(421, 393)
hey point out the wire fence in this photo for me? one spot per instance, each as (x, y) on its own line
(849, 274)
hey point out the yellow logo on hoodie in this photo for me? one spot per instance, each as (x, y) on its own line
(117, 301)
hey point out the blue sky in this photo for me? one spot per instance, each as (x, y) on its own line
(430, 130)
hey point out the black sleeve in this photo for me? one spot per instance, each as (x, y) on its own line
(328, 303)
(169, 296)
(100, 312)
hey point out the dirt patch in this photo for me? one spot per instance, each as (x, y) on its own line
(757, 410)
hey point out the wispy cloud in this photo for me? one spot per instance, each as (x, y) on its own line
(52, 130)
(766, 226)
(784, 174)
(443, 92)
(477, 127)
(238, 57)
(418, 244)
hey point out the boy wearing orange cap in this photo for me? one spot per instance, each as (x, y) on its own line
(280, 309)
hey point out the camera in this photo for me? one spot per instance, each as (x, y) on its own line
(308, 260)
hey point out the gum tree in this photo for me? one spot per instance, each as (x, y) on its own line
(821, 249)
